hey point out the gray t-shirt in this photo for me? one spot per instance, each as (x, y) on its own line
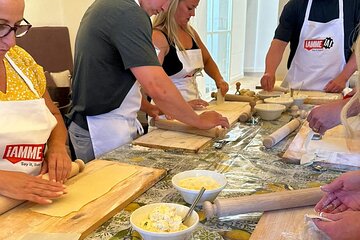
(114, 36)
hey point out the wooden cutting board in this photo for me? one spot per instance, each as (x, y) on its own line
(318, 97)
(20, 221)
(166, 139)
(282, 224)
(334, 140)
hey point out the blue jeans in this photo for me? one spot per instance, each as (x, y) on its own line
(81, 141)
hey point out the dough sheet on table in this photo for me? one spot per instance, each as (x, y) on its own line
(86, 189)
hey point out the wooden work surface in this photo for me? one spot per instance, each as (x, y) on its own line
(282, 224)
(166, 139)
(318, 97)
(334, 140)
(20, 221)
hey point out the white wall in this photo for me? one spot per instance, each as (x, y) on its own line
(57, 13)
(44, 12)
(73, 12)
(261, 22)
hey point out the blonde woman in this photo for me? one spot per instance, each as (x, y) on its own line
(181, 51)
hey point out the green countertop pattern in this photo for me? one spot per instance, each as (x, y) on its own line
(249, 167)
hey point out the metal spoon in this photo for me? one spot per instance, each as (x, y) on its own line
(194, 204)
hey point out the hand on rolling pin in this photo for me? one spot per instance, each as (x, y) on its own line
(57, 163)
(267, 81)
(341, 194)
(345, 225)
(22, 186)
(326, 116)
(223, 86)
(210, 119)
(198, 104)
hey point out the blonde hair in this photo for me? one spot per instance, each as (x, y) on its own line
(165, 22)
(355, 99)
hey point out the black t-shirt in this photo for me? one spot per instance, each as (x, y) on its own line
(171, 63)
(113, 37)
(292, 19)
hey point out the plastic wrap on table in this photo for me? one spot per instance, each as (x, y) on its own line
(249, 167)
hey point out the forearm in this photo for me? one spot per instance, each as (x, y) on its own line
(213, 71)
(348, 70)
(354, 109)
(58, 135)
(274, 56)
(165, 95)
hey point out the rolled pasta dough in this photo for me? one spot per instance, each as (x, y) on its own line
(86, 189)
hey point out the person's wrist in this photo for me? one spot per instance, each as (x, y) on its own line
(219, 81)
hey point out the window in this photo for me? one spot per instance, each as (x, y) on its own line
(218, 38)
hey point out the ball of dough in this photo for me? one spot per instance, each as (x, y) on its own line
(294, 108)
(303, 114)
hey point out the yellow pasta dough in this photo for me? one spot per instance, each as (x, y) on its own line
(86, 189)
(196, 183)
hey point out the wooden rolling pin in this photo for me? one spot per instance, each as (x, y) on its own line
(181, 127)
(262, 202)
(7, 204)
(276, 88)
(246, 114)
(235, 98)
(282, 132)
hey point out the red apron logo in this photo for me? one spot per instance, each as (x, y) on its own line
(318, 44)
(24, 152)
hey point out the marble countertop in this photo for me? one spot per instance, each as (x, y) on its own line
(249, 167)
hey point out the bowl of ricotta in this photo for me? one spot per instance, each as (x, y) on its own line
(189, 183)
(163, 221)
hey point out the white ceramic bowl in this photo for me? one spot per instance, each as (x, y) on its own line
(190, 195)
(269, 111)
(265, 94)
(286, 101)
(140, 214)
(299, 99)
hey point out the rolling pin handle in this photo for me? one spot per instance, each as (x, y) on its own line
(209, 209)
(238, 84)
(77, 166)
(81, 164)
(213, 95)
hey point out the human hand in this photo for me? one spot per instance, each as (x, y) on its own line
(345, 225)
(341, 194)
(335, 86)
(21, 186)
(210, 119)
(198, 104)
(57, 163)
(223, 86)
(267, 82)
(326, 116)
(153, 111)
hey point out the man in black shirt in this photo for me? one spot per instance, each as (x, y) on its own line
(321, 34)
(114, 55)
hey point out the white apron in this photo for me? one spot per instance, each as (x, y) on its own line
(111, 130)
(319, 57)
(185, 80)
(25, 127)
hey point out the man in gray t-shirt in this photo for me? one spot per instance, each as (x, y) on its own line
(113, 56)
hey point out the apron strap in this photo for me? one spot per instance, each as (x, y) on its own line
(139, 127)
(22, 75)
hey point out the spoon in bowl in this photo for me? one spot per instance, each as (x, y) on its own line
(193, 205)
